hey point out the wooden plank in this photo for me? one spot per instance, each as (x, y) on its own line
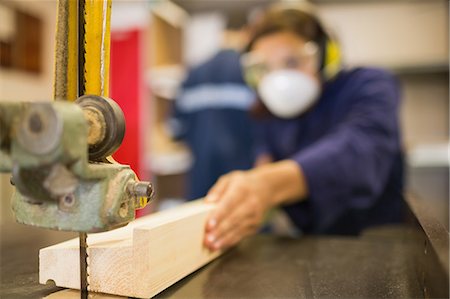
(138, 260)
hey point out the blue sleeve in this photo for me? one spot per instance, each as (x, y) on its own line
(350, 166)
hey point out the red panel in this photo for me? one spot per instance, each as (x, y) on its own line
(128, 90)
(125, 87)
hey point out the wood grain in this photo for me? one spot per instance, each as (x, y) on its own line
(138, 260)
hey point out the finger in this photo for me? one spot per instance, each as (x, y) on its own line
(234, 237)
(240, 213)
(243, 214)
(221, 185)
(228, 190)
(231, 198)
(218, 189)
(214, 195)
(212, 242)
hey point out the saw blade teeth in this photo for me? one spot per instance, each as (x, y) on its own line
(83, 266)
(87, 265)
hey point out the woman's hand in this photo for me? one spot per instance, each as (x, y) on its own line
(242, 201)
(244, 197)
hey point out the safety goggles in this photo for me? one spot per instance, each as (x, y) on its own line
(256, 66)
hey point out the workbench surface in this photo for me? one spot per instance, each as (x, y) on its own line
(378, 264)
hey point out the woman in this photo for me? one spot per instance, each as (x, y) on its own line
(332, 136)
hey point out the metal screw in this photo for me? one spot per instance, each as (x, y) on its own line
(66, 202)
(143, 189)
(35, 123)
(140, 191)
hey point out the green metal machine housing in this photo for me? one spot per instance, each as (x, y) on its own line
(58, 154)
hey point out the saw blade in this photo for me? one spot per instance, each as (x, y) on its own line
(83, 266)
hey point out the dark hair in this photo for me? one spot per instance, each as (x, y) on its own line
(299, 22)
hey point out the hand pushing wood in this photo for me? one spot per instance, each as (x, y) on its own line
(241, 204)
(243, 197)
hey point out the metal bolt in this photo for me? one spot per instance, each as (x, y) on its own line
(66, 202)
(143, 189)
(35, 123)
(140, 191)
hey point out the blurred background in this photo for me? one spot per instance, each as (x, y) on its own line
(154, 43)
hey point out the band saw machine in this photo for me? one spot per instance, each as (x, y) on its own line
(59, 152)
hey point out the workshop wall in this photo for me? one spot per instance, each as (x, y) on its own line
(390, 33)
(21, 85)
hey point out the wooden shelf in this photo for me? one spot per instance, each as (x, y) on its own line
(169, 163)
(164, 81)
(429, 155)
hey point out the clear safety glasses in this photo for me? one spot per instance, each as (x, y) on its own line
(256, 66)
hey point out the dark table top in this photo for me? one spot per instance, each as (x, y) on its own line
(378, 264)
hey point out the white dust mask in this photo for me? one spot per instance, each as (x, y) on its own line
(288, 93)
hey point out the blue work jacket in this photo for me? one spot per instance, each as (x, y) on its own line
(348, 146)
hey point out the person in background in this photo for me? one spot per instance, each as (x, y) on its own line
(211, 117)
(332, 157)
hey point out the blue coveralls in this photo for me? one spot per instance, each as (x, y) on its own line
(349, 148)
(211, 116)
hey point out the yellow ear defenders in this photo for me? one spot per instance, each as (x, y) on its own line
(332, 60)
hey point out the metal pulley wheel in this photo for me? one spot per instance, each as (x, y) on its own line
(106, 124)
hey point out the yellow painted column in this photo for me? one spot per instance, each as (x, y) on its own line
(82, 52)
(97, 16)
(66, 51)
